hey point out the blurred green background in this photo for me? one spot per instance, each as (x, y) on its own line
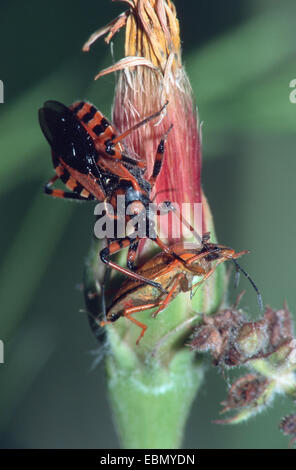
(240, 57)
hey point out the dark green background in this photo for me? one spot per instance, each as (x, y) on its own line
(240, 57)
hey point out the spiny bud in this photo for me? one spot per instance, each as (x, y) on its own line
(288, 427)
(232, 340)
(216, 334)
(249, 394)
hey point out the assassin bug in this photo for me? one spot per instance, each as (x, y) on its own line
(175, 276)
(90, 160)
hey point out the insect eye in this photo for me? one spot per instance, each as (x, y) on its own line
(114, 317)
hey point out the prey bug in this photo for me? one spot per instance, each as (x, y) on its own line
(90, 160)
(175, 276)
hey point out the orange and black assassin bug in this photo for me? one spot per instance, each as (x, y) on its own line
(175, 276)
(90, 160)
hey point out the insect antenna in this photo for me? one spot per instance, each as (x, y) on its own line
(240, 269)
(162, 191)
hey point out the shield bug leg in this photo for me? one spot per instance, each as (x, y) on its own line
(60, 193)
(131, 255)
(159, 158)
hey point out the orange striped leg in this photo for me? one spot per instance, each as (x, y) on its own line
(131, 255)
(63, 194)
(159, 158)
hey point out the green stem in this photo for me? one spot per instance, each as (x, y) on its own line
(150, 403)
